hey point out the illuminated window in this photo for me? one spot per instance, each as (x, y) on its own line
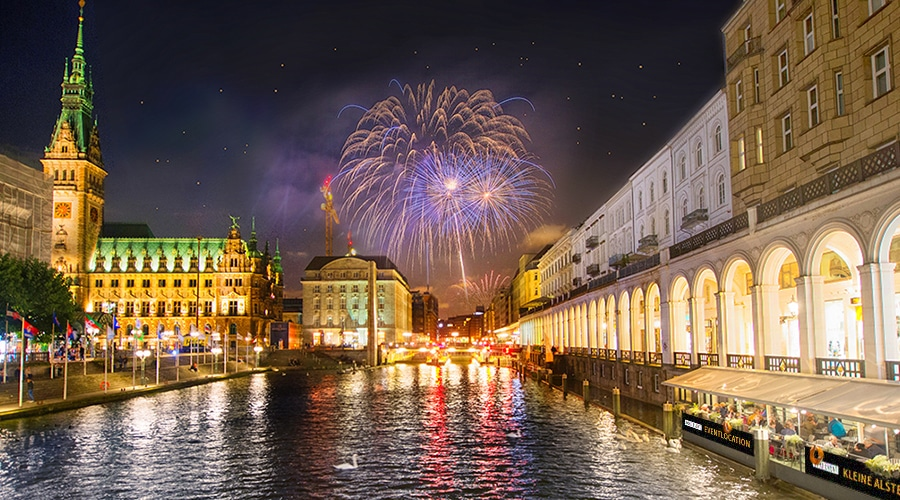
(738, 96)
(756, 92)
(759, 145)
(742, 155)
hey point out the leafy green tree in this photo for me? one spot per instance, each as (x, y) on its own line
(36, 291)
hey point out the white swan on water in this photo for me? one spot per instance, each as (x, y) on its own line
(346, 466)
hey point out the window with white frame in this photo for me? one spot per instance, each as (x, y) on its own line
(682, 170)
(760, 158)
(812, 102)
(881, 72)
(665, 185)
(720, 189)
(839, 93)
(718, 138)
(757, 96)
(738, 96)
(780, 10)
(699, 154)
(684, 207)
(640, 200)
(653, 226)
(742, 154)
(783, 74)
(787, 138)
(875, 5)
(652, 193)
(666, 225)
(809, 35)
(835, 20)
(701, 198)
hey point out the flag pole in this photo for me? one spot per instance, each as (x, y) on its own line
(6, 345)
(158, 335)
(66, 363)
(22, 366)
(52, 344)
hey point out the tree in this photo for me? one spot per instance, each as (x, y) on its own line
(36, 291)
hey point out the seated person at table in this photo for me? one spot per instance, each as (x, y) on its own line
(808, 428)
(788, 429)
(775, 426)
(836, 428)
(868, 449)
(832, 442)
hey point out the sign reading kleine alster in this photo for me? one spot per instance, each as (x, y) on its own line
(734, 439)
(849, 472)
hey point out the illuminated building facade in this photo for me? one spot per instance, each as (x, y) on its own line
(336, 295)
(799, 274)
(425, 315)
(208, 284)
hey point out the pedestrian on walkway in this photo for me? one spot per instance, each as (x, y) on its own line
(29, 384)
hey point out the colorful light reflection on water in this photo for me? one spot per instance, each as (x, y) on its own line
(420, 432)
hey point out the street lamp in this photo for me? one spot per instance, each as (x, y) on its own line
(216, 351)
(257, 350)
(143, 353)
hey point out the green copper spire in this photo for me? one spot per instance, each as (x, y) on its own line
(276, 260)
(75, 123)
(252, 244)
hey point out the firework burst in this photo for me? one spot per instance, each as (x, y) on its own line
(483, 291)
(427, 175)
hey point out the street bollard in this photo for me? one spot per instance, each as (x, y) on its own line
(564, 388)
(761, 452)
(616, 402)
(668, 420)
(586, 391)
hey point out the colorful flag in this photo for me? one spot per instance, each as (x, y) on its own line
(89, 322)
(13, 314)
(70, 334)
(207, 328)
(110, 333)
(115, 325)
(159, 331)
(29, 330)
(178, 333)
(55, 321)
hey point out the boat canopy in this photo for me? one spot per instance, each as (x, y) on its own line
(858, 399)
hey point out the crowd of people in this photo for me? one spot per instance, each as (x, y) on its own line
(827, 432)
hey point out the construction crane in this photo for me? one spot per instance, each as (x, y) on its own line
(331, 216)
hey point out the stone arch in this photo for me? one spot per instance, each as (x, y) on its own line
(612, 323)
(705, 310)
(638, 320)
(624, 321)
(776, 288)
(680, 315)
(593, 337)
(737, 323)
(654, 319)
(834, 258)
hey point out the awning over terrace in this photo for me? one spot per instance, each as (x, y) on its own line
(861, 400)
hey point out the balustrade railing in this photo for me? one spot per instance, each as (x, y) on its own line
(683, 359)
(639, 357)
(626, 356)
(654, 358)
(595, 353)
(742, 361)
(785, 364)
(893, 370)
(612, 354)
(853, 368)
(708, 359)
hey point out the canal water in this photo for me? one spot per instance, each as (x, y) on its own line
(457, 431)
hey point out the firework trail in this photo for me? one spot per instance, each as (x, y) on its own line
(428, 175)
(482, 292)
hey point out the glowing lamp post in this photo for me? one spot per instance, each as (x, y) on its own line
(257, 350)
(143, 354)
(216, 351)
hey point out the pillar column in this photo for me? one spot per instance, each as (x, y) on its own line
(665, 332)
(766, 326)
(811, 317)
(876, 284)
(696, 330)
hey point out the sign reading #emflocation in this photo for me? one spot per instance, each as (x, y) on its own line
(734, 439)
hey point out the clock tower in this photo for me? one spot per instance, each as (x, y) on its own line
(74, 162)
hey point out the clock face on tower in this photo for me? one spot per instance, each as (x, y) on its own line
(95, 215)
(62, 210)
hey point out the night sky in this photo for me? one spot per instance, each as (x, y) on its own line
(215, 108)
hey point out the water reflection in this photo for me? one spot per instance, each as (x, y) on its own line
(420, 431)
